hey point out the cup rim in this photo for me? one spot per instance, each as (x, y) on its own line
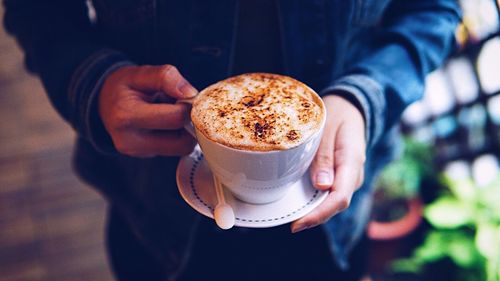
(319, 131)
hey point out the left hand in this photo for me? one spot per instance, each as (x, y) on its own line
(339, 163)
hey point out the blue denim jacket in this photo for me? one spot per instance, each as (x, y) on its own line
(375, 53)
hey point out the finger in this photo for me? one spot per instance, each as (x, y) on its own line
(164, 78)
(156, 143)
(158, 116)
(347, 180)
(337, 201)
(322, 173)
(349, 162)
(350, 152)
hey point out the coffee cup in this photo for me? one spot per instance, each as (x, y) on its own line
(256, 174)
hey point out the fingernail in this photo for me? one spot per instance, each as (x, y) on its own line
(324, 179)
(299, 228)
(187, 90)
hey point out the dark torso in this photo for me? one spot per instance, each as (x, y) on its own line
(258, 43)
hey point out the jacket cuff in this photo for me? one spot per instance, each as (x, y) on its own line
(367, 95)
(84, 88)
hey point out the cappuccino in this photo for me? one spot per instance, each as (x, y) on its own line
(258, 112)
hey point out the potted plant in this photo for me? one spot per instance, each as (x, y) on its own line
(397, 209)
(465, 235)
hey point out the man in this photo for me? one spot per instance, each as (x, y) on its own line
(367, 59)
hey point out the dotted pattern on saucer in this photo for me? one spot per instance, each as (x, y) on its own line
(261, 188)
(196, 163)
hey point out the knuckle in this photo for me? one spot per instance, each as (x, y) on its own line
(125, 148)
(122, 147)
(168, 78)
(361, 158)
(343, 202)
(122, 119)
(167, 70)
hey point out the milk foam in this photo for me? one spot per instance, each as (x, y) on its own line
(258, 111)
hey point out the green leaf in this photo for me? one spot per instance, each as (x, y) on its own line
(488, 198)
(399, 180)
(463, 251)
(406, 265)
(463, 189)
(493, 270)
(447, 213)
(434, 247)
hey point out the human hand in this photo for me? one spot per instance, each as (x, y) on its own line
(339, 163)
(136, 107)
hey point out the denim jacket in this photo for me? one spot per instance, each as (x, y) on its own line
(375, 53)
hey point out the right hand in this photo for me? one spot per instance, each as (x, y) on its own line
(137, 109)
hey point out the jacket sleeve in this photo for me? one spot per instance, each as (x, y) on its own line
(62, 48)
(413, 38)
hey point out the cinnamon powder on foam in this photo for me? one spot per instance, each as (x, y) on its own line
(258, 111)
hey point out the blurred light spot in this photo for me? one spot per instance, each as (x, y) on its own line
(416, 113)
(457, 170)
(437, 94)
(480, 17)
(445, 126)
(423, 134)
(485, 169)
(91, 11)
(494, 109)
(474, 119)
(488, 66)
(462, 77)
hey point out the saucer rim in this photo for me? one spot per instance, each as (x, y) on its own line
(188, 193)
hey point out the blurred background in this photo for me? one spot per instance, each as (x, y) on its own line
(437, 215)
(51, 224)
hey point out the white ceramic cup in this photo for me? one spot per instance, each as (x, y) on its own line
(258, 177)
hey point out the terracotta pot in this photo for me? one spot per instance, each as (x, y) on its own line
(392, 230)
(390, 240)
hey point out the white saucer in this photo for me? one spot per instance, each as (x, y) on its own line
(195, 183)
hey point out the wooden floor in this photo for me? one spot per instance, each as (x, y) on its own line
(51, 225)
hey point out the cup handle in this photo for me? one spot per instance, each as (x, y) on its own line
(188, 125)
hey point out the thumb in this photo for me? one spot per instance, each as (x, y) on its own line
(322, 165)
(164, 78)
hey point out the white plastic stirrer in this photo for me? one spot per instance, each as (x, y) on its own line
(223, 213)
